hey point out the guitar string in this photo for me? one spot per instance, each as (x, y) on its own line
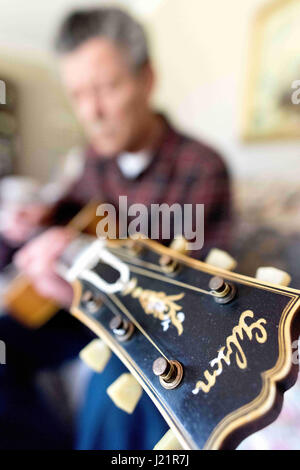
(125, 255)
(144, 272)
(128, 314)
(137, 324)
(162, 277)
(157, 268)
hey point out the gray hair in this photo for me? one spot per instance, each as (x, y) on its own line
(111, 23)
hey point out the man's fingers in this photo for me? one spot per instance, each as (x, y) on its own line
(22, 258)
(55, 288)
(44, 249)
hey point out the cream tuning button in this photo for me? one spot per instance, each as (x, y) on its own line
(220, 259)
(168, 442)
(95, 355)
(180, 244)
(273, 275)
(125, 392)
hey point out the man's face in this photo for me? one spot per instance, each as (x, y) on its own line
(110, 100)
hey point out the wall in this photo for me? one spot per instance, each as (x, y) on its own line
(200, 49)
(202, 52)
(47, 128)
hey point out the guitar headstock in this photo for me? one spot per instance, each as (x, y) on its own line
(212, 348)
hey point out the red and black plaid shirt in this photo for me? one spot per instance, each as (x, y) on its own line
(182, 171)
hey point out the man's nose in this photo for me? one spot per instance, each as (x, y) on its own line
(93, 108)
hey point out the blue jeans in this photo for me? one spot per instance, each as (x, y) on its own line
(27, 420)
(101, 425)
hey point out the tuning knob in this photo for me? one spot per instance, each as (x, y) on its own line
(125, 392)
(96, 355)
(220, 259)
(170, 373)
(273, 275)
(121, 328)
(91, 302)
(168, 442)
(179, 244)
(223, 292)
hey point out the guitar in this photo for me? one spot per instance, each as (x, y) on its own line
(26, 305)
(212, 348)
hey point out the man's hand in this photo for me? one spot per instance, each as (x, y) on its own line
(38, 260)
(20, 223)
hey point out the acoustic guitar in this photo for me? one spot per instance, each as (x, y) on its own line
(212, 348)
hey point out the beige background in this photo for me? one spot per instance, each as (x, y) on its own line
(201, 51)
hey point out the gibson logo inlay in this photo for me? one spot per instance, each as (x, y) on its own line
(233, 341)
(158, 304)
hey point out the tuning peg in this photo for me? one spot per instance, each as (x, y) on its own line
(168, 442)
(220, 259)
(273, 275)
(96, 355)
(133, 247)
(179, 244)
(125, 392)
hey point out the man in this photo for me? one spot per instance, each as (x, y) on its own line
(134, 152)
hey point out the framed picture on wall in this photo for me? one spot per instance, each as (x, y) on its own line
(269, 112)
(8, 130)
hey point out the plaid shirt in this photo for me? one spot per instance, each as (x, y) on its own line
(182, 171)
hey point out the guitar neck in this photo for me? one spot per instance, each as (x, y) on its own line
(19, 295)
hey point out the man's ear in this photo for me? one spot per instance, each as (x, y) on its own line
(148, 79)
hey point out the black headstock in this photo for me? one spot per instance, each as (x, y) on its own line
(225, 344)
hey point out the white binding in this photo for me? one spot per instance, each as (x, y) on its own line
(89, 258)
